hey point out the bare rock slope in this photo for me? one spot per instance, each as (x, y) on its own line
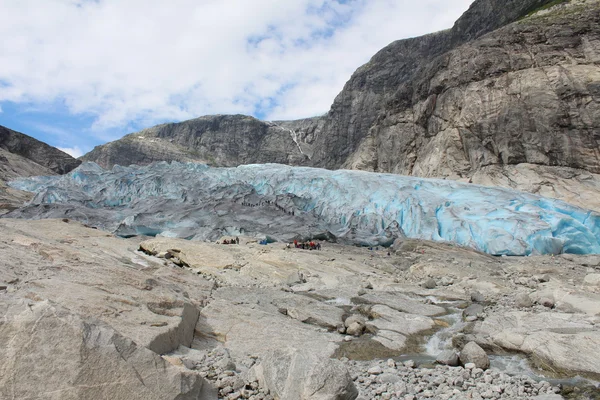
(224, 140)
(87, 315)
(35, 151)
(23, 156)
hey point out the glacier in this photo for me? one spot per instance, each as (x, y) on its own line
(195, 201)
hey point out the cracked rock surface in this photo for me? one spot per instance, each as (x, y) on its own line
(87, 315)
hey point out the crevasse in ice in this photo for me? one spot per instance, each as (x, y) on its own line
(197, 201)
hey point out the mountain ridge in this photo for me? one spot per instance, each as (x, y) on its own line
(510, 85)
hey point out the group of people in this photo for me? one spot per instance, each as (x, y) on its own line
(231, 241)
(306, 245)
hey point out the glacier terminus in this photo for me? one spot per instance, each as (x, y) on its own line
(282, 203)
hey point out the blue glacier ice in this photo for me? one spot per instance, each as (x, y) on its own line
(199, 202)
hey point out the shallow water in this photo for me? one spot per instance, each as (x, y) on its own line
(513, 365)
(365, 348)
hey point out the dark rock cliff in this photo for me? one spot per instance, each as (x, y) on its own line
(223, 140)
(22, 156)
(525, 93)
(38, 152)
(393, 75)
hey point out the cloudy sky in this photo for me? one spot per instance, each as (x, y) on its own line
(78, 73)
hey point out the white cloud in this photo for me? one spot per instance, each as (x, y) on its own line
(0, 109)
(72, 151)
(151, 60)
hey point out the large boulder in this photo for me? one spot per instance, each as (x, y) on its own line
(472, 353)
(291, 374)
(561, 341)
(49, 352)
(401, 302)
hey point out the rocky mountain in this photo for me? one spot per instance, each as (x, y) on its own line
(225, 140)
(233, 140)
(33, 151)
(23, 156)
(512, 86)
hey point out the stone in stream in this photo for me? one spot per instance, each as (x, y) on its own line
(355, 329)
(472, 353)
(355, 324)
(474, 310)
(355, 318)
(448, 357)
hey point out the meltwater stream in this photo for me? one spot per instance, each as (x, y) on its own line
(513, 364)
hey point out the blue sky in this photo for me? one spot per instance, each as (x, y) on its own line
(78, 73)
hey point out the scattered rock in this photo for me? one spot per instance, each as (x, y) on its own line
(375, 370)
(446, 281)
(295, 278)
(543, 278)
(522, 300)
(546, 302)
(477, 297)
(429, 284)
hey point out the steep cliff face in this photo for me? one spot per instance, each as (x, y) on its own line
(394, 74)
(525, 93)
(223, 140)
(325, 141)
